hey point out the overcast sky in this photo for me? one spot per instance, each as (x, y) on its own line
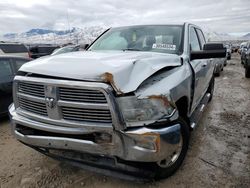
(230, 16)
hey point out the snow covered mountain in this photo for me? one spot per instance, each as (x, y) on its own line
(247, 36)
(46, 36)
(87, 35)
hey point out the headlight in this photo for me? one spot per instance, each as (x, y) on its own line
(138, 112)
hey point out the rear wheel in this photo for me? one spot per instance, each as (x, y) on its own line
(168, 166)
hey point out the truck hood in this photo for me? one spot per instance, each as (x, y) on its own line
(125, 71)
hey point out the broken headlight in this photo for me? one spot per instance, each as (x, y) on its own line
(138, 112)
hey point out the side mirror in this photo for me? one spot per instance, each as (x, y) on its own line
(85, 46)
(210, 50)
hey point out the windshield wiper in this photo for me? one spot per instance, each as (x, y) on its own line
(131, 49)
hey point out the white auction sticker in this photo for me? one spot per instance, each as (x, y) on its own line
(164, 46)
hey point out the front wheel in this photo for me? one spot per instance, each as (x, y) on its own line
(168, 166)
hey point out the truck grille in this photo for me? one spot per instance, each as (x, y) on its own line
(82, 114)
(81, 95)
(31, 89)
(80, 104)
(32, 106)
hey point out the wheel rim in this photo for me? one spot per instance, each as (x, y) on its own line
(173, 157)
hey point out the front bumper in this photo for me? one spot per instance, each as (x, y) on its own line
(137, 144)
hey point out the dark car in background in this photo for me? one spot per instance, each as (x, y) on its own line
(245, 59)
(9, 66)
(41, 50)
(244, 51)
(14, 49)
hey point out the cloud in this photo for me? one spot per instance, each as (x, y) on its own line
(222, 16)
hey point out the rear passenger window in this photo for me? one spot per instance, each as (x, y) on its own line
(5, 68)
(194, 41)
(13, 48)
(201, 37)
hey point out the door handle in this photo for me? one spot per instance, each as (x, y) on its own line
(204, 64)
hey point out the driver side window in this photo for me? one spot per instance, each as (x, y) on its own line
(194, 41)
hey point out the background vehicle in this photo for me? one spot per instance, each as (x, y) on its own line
(219, 66)
(245, 59)
(126, 105)
(14, 49)
(244, 51)
(41, 50)
(69, 48)
(9, 65)
(242, 46)
(228, 51)
(235, 48)
(219, 62)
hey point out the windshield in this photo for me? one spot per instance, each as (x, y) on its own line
(164, 39)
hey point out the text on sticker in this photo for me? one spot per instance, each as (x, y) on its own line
(164, 46)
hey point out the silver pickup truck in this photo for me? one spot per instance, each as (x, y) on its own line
(125, 106)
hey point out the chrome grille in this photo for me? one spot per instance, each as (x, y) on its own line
(83, 114)
(81, 95)
(31, 89)
(32, 106)
(68, 102)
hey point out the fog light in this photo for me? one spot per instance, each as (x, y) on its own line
(101, 138)
(146, 144)
(150, 141)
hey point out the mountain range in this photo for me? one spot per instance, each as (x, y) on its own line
(38, 35)
(87, 35)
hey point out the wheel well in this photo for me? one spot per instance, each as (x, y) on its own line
(182, 107)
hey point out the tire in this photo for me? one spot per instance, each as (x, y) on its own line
(164, 172)
(211, 89)
(247, 72)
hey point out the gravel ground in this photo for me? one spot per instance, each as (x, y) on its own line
(218, 155)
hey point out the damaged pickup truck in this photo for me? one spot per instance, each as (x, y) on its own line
(125, 106)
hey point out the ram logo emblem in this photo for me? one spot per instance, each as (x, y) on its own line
(50, 102)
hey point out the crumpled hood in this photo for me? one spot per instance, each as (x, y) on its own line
(125, 71)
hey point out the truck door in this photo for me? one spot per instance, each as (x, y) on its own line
(209, 69)
(200, 67)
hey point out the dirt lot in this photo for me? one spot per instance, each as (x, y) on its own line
(218, 155)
